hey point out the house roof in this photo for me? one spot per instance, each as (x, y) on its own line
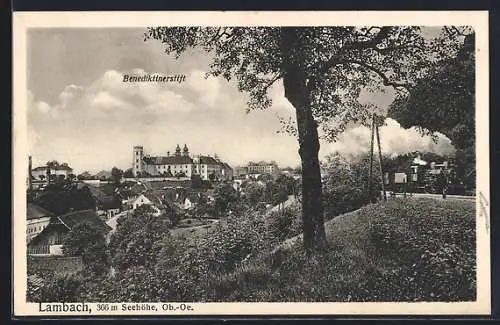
(35, 211)
(208, 160)
(154, 199)
(110, 202)
(419, 161)
(73, 218)
(103, 173)
(53, 168)
(170, 160)
(226, 165)
(94, 190)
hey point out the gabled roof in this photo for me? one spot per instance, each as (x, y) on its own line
(155, 200)
(170, 160)
(35, 211)
(73, 218)
(53, 168)
(103, 173)
(110, 202)
(94, 190)
(226, 165)
(208, 160)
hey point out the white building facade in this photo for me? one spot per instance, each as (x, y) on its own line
(180, 164)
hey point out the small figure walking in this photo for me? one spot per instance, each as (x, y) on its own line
(443, 182)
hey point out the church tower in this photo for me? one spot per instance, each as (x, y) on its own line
(137, 166)
(177, 151)
(185, 151)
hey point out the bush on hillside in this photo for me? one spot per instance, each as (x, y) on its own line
(62, 288)
(430, 262)
(285, 224)
(345, 184)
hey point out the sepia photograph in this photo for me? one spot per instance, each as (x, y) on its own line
(164, 167)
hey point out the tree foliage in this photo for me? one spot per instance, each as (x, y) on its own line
(132, 244)
(128, 173)
(61, 198)
(345, 183)
(85, 240)
(443, 100)
(226, 198)
(116, 175)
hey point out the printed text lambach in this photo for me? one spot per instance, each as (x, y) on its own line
(64, 307)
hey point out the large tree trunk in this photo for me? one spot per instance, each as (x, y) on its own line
(296, 91)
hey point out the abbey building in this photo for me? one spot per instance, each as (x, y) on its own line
(179, 164)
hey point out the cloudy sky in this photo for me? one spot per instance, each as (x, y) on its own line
(80, 111)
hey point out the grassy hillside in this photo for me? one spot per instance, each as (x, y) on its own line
(402, 250)
(414, 249)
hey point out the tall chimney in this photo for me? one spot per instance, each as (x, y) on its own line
(30, 184)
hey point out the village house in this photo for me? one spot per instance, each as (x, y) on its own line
(108, 207)
(37, 218)
(49, 240)
(148, 199)
(191, 199)
(40, 173)
(262, 167)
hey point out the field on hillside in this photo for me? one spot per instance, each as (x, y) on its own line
(402, 250)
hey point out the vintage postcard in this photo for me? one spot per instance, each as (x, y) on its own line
(251, 163)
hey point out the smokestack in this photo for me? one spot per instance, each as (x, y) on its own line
(30, 184)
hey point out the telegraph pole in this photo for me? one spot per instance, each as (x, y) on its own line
(380, 163)
(30, 182)
(370, 193)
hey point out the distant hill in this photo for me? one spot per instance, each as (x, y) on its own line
(103, 174)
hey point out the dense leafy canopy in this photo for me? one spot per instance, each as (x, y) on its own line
(443, 101)
(87, 241)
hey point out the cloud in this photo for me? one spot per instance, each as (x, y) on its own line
(394, 140)
(68, 94)
(106, 101)
(43, 107)
(209, 87)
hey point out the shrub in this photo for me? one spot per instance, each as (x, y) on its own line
(85, 240)
(62, 288)
(429, 262)
(345, 185)
(285, 224)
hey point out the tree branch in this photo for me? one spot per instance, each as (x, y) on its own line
(380, 73)
(383, 33)
(323, 67)
(272, 81)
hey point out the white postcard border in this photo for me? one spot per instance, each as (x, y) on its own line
(478, 19)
